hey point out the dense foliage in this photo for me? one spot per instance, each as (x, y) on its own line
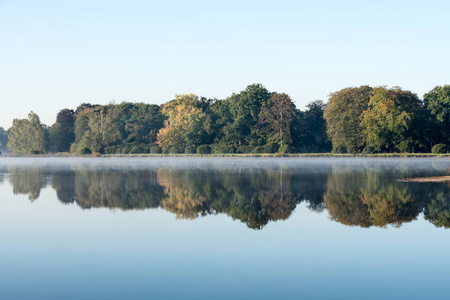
(3, 139)
(28, 136)
(388, 122)
(255, 120)
(343, 113)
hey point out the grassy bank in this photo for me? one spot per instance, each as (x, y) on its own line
(66, 154)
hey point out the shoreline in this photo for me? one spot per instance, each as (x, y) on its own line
(246, 155)
(437, 179)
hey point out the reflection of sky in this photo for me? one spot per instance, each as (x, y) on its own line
(51, 250)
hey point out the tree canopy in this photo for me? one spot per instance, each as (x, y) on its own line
(342, 115)
(387, 122)
(255, 120)
(27, 136)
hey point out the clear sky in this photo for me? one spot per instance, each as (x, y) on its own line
(55, 54)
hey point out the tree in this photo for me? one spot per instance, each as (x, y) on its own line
(241, 131)
(3, 139)
(141, 122)
(62, 133)
(311, 129)
(84, 106)
(275, 119)
(342, 114)
(437, 103)
(98, 128)
(389, 118)
(183, 128)
(27, 136)
(117, 128)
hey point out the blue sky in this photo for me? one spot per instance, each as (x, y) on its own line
(56, 54)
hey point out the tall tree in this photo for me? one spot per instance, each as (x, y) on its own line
(311, 129)
(275, 119)
(27, 136)
(142, 122)
(437, 103)
(389, 118)
(3, 139)
(342, 114)
(62, 133)
(244, 108)
(183, 129)
(99, 128)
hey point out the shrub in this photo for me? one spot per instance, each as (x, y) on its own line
(175, 150)
(270, 148)
(284, 149)
(439, 149)
(155, 149)
(203, 149)
(139, 149)
(258, 149)
(223, 148)
(190, 149)
(85, 151)
(110, 150)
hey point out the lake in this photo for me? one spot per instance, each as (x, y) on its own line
(223, 228)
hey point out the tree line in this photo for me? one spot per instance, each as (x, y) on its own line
(354, 120)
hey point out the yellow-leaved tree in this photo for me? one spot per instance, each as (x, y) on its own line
(184, 128)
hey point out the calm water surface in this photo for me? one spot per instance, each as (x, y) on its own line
(233, 228)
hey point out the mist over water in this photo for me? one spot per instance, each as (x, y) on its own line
(362, 192)
(192, 227)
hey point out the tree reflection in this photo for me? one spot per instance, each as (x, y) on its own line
(253, 197)
(184, 192)
(64, 184)
(122, 189)
(437, 211)
(343, 202)
(366, 197)
(27, 181)
(353, 194)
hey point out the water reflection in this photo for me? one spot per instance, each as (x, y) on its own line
(361, 196)
(360, 193)
(27, 181)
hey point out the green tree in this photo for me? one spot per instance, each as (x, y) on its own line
(62, 133)
(101, 129)
(28, 136)
(389, 119)
(241, 131)
(3, 140)
(437, 104)
(141, 123)
(275, 120)
(342, 114)
(311, 129)
(122, 128)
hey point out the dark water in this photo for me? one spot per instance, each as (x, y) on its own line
(184, 228)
